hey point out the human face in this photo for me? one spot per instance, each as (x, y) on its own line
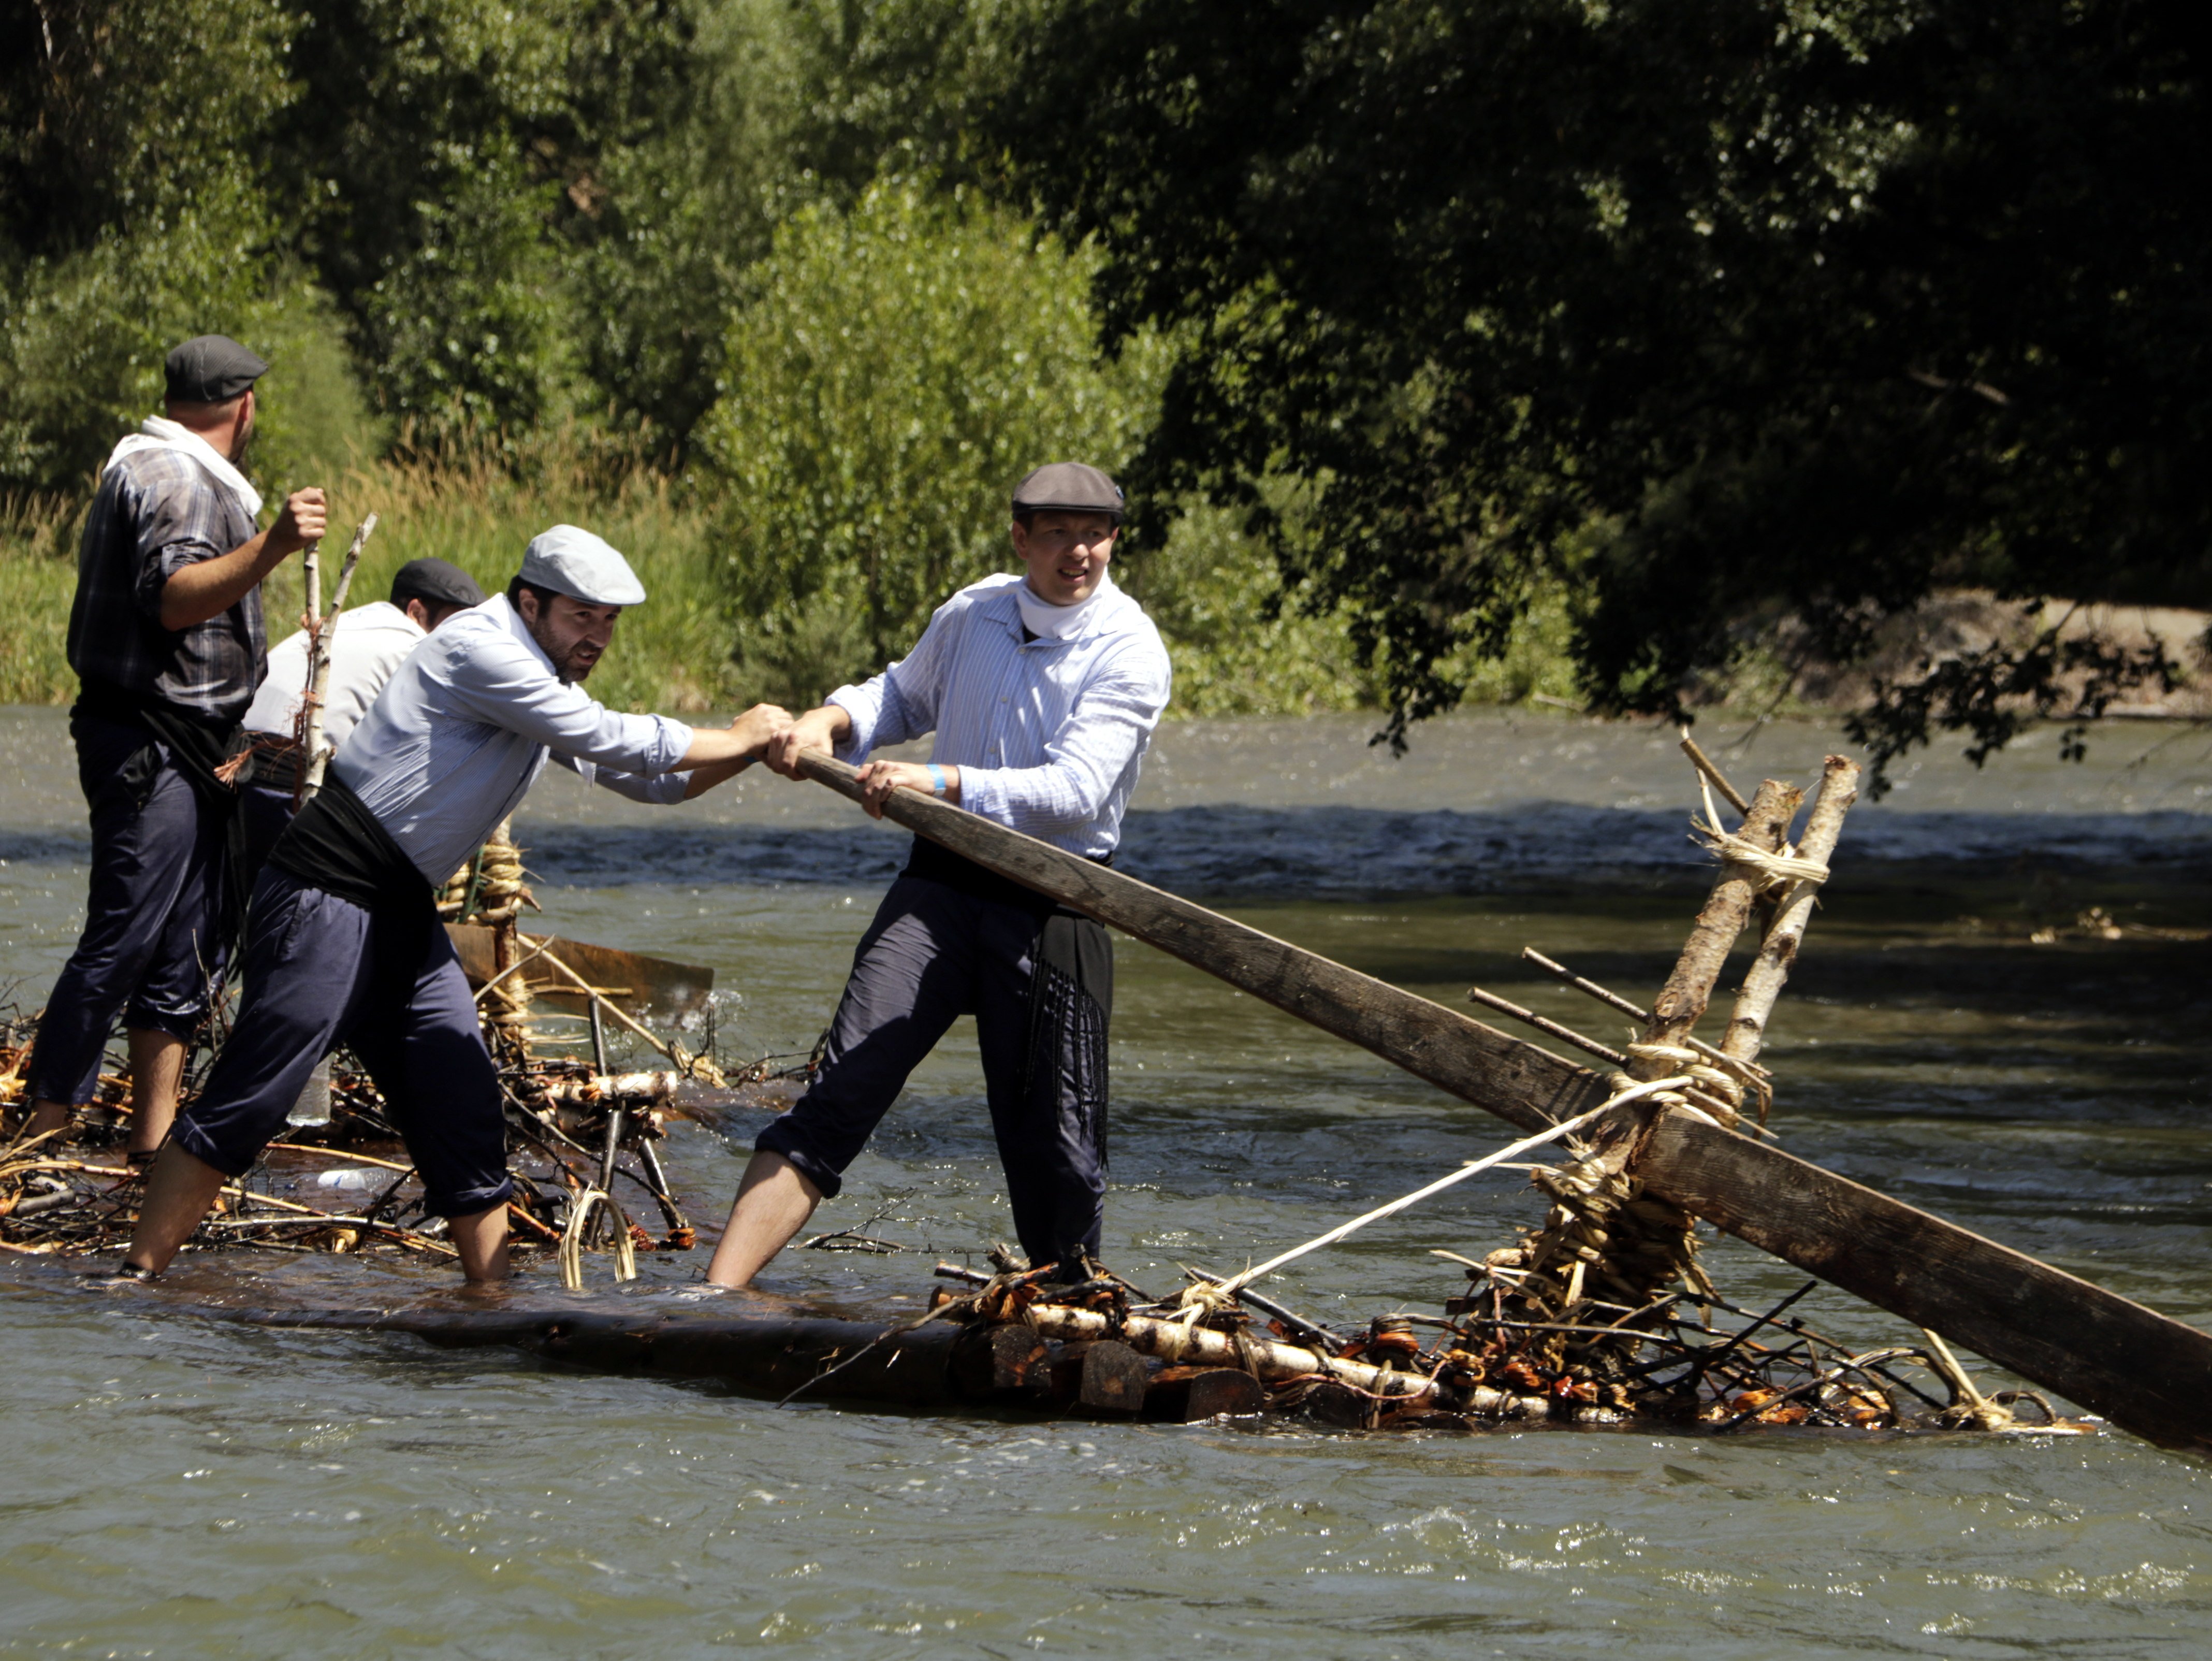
(1066, 555)
(574, 634)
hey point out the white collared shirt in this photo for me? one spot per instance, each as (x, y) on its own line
(1048, 735)
(460, 733)
(369, 643)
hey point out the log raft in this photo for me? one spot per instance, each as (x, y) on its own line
(2144, 1372)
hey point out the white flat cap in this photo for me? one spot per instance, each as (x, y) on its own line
(574, 563)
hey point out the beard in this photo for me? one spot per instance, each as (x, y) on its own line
(565, 666)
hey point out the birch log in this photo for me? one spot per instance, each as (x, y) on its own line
(1747, 1027)
(312, 748)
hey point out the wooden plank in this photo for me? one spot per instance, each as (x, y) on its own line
(1521, 1084)
(2144, 1372)
(655, 985)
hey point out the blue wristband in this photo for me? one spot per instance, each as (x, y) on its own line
(936, 778)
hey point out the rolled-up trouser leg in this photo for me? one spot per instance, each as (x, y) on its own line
(912, 976)
(307, 974)
(428, 1059)
(143, 856)
(1048, 1102)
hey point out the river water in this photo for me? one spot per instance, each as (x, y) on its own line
(178, 1486)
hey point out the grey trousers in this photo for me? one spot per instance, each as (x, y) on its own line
(934, 953)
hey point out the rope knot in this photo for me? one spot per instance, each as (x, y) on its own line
(1767, 870)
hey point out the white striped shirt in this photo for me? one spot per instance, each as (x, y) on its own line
(461, 730)
(1048, 734)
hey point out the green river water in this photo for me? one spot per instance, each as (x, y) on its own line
(171, 1486)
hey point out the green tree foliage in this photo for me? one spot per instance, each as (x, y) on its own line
(1692, 305)
(902, 366)
(129, 212)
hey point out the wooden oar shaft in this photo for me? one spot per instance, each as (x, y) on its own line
(2146, 1372)
(1521, 1084)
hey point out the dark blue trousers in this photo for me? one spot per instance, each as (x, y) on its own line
(313, 982)
(152, 921)
(932, 954)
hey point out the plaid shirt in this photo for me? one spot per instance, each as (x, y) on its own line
(157, 513)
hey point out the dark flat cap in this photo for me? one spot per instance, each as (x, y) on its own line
(1068, 487)
(434, 582)
(211, 368)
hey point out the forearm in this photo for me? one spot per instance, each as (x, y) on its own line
(717, 747)
(210, 587)
(704, 779)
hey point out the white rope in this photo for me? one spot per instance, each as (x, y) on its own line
(1772, 870)
(1197, 1301)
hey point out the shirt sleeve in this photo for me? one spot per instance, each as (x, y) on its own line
(900, 703)
(180, 524)
(661, 790)
(1110, 719)
(501, 684)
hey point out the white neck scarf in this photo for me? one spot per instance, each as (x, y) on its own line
(159, 433)
(1060, 622)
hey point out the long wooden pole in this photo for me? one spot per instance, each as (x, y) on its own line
(2146, 1372)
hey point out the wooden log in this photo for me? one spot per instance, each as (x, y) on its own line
(1114, 1378)
(1689, 989)
(1774, 1200)
(1762, 984)
(1000, 1360)
(2143, 1371)
(314, 753)
(1185, 1396)
(1521, 1084)
(1332, 1403)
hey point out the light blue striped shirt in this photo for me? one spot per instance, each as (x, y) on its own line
(1048, 734)
(463, 728)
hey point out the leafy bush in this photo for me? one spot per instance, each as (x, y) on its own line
(902, 368)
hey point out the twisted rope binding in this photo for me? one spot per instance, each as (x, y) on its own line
(1782, 869)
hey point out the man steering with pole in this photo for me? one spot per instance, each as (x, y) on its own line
(1043, 689)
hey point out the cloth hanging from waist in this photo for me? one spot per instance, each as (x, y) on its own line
(934, 862)
(198, 745)
(201, 749)
(1071, 984)
(336, 845)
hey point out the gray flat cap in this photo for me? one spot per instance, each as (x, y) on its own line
(574, 563)
(211, 368)
(434, 582)
(1068, 487)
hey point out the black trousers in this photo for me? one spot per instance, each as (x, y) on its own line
(152, 941)
(1041, 988)
(314, 982)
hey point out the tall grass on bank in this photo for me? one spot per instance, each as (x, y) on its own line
(671, 653)
(1239, 648)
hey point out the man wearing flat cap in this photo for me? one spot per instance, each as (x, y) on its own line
(342, 945)
(165, 637)
(1042, 688)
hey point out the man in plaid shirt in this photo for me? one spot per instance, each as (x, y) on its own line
(166, 636)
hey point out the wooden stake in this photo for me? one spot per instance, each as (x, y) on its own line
(1706, 765)
(1762, 983)
(1689, 987)
(316, 752)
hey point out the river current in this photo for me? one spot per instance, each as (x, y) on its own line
(174, 1486)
